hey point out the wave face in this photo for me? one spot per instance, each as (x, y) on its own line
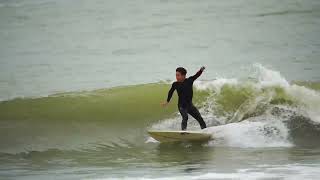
(76, 120)
(262, 110)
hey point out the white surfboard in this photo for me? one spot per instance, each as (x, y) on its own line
(176, 136)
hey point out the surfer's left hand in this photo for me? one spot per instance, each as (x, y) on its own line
(164, 104)
(202, 68)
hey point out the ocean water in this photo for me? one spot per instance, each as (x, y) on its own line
(81, 83)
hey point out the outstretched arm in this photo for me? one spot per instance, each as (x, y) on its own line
(194, 77)
(170, 93)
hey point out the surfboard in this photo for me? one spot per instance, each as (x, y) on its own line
(176, 136)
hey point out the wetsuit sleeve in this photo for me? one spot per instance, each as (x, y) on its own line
(194, 77)
(173, 87)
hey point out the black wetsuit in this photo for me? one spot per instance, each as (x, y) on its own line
(185, 104)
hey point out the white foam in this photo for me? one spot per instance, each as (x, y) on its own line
(215, 85)
(268, 133)
(309, 98)
(267, 77)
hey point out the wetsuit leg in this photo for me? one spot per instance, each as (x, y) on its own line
(184, 113)
(194, 112)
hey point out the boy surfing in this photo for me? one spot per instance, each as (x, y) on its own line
(183, 86)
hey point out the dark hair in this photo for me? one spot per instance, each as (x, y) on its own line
(181, 70)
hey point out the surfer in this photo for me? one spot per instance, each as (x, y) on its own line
(183, 86)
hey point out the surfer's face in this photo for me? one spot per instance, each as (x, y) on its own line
(180, 77)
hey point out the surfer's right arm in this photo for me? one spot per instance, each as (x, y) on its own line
(170, 93)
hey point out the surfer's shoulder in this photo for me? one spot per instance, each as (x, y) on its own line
(175, 84)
